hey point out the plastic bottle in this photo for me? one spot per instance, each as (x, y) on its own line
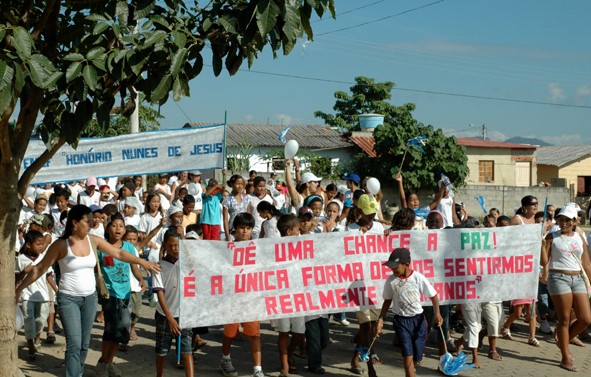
(445, 180)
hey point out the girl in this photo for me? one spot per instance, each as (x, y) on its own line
(182, 194)
(60, 198)
(181, 182)
(35, 298)
(126, 191)
(77, 296)
(260, 194)
(412, 202)
(271, 214)
(150, 220)
(163, 190)
(566, 255)
(116, 312)
(131, 211)
(330, 222)
(237, 202)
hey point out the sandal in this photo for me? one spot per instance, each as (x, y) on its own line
(494, 355)
(534, 342)
(50, 337)
(570, 368)
(577, 342)
(506, 334)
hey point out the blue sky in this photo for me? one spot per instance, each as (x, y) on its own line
(538, 51)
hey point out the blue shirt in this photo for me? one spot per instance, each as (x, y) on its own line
(211, 213)
(116, 273)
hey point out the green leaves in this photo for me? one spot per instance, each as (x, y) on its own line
(42, 72)
(22, 42)
(267, 12)
(90, 76)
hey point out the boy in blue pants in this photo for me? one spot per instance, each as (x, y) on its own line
(402, 291)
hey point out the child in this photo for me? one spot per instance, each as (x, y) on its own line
(238, 201)
(402, 291)
(243, 225)
(503, 220)
(163, 191)
(131, 211)
(89, 195)
(211, 216)
(330, 222)
(188, 205)
(271, 215)
(107, 196)
(412, 201)
(35, 298)
(490, 221)
(166, 286)
(126, 191)
(307, 222)
(98, 226)
(260, 194)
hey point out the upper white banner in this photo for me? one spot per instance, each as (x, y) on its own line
(135, 154)
(343, 272)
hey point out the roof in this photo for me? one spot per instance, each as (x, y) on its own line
(480, 143)
(562, 155)
(311, 136)
(364, 142)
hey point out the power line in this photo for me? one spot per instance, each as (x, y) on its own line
(473, 96)
(381, 19)
(352, 10)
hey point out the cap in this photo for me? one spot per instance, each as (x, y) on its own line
(134, 202)
(568, 211)
(398, 255)
(91, 181)
(367, 204)
(174, 209)
(104, 188)
(163, 175)
(573, 205)
(305, 211)
(341, 189)
(94, 208)
(172, 180)
(194, 172)
(101, 182)
(192, 235)
(40, 196)
(37, 219)
(352, 177)
(310, 177)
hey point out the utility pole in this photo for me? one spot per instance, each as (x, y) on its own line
(483, 131)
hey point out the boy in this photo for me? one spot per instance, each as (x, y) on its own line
(166, 286)
(211, 218)
(307, 223)
(289, 225)
(402, 291)
(243, 226)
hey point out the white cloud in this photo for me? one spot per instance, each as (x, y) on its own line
(564, 139)
(556, 93)
(248, 118)
(582, 94)
(283, 119)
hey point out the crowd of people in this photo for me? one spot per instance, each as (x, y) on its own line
(70, 234)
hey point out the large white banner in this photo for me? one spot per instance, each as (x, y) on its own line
(339, 272)
(134, 154)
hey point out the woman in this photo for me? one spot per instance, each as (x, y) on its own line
(566, 255)
(237, 202)
(77, 296)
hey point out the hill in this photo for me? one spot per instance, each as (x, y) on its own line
(528, 140)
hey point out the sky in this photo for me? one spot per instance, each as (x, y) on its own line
(454, 59)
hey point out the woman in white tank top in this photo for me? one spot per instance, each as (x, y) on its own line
(77, 296)
(566, 255)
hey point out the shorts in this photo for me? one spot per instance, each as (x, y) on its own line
(117, 320)
(492, 312)
(412, 332)
(164, 337)
(211, 232)
(136, 306)
(562, 284)
(249, 329)
(51, 301)
(296, 325)
(368, 315)
(472, 312)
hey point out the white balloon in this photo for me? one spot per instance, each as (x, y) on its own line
(373, 186)
(291, 148)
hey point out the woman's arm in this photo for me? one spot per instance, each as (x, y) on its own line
(585, 259)
(124, 256)
(56, 252)
(546, 250)
(438, 198)
(398, 178)
(226, 220)
(296, 198)
(150, 235)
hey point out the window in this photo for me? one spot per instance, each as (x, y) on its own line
(486, 171)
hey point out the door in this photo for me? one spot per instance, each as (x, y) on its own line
(522, 173)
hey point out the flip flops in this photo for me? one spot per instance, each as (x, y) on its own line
(570, 368)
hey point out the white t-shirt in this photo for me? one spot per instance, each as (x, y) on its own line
(405, 293)
(258, 220)
(167, 280)
(133, 282)
(376, 228)
(164, 202)
(98, 231)
(146, 225)
(445, 206)
(196, 190)
(132, 220)
(88, 200)
(38, 290)
(270, 227)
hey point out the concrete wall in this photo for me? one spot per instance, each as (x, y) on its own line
(581, 167)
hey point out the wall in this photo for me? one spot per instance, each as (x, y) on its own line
(504, 159)
(547, 172)
(580, 167)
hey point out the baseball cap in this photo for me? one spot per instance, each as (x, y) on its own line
(174, 209)
(352, 177)
(91, 181)
(342, 189)
(398, 255)
(305, 211)
(192, 235)
(194, 172)
(367, 204)
(568, 211)
(310, 177)
(94, 208)
(134, 202)
(104, 187)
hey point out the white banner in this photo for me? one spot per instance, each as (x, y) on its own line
(342, 272)
(134, 154)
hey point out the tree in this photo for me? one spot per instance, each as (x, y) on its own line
(69, 60)
(421, 170)
(119, 124)
(319, 165)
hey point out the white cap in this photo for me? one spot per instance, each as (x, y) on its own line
(310, 177)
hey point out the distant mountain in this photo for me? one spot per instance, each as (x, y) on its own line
(528, 140)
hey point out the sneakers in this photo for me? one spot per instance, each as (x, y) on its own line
(258, 373)
(228, 369)
(102, 369)
(114, 371)
(342, 322)
(545, 327)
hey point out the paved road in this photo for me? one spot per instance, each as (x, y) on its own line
(519, 358)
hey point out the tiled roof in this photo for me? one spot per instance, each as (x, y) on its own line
(473, 142)
(312, 137)
(561, 155)
(364, 142)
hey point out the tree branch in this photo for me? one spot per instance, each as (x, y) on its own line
(49, 8)
(5, 137)
(30, 172)
(30, 101)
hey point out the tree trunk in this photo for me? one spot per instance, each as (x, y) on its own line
(10, 206)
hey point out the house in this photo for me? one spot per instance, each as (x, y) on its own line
(499, 163)
(566, 166)
(256, 141)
